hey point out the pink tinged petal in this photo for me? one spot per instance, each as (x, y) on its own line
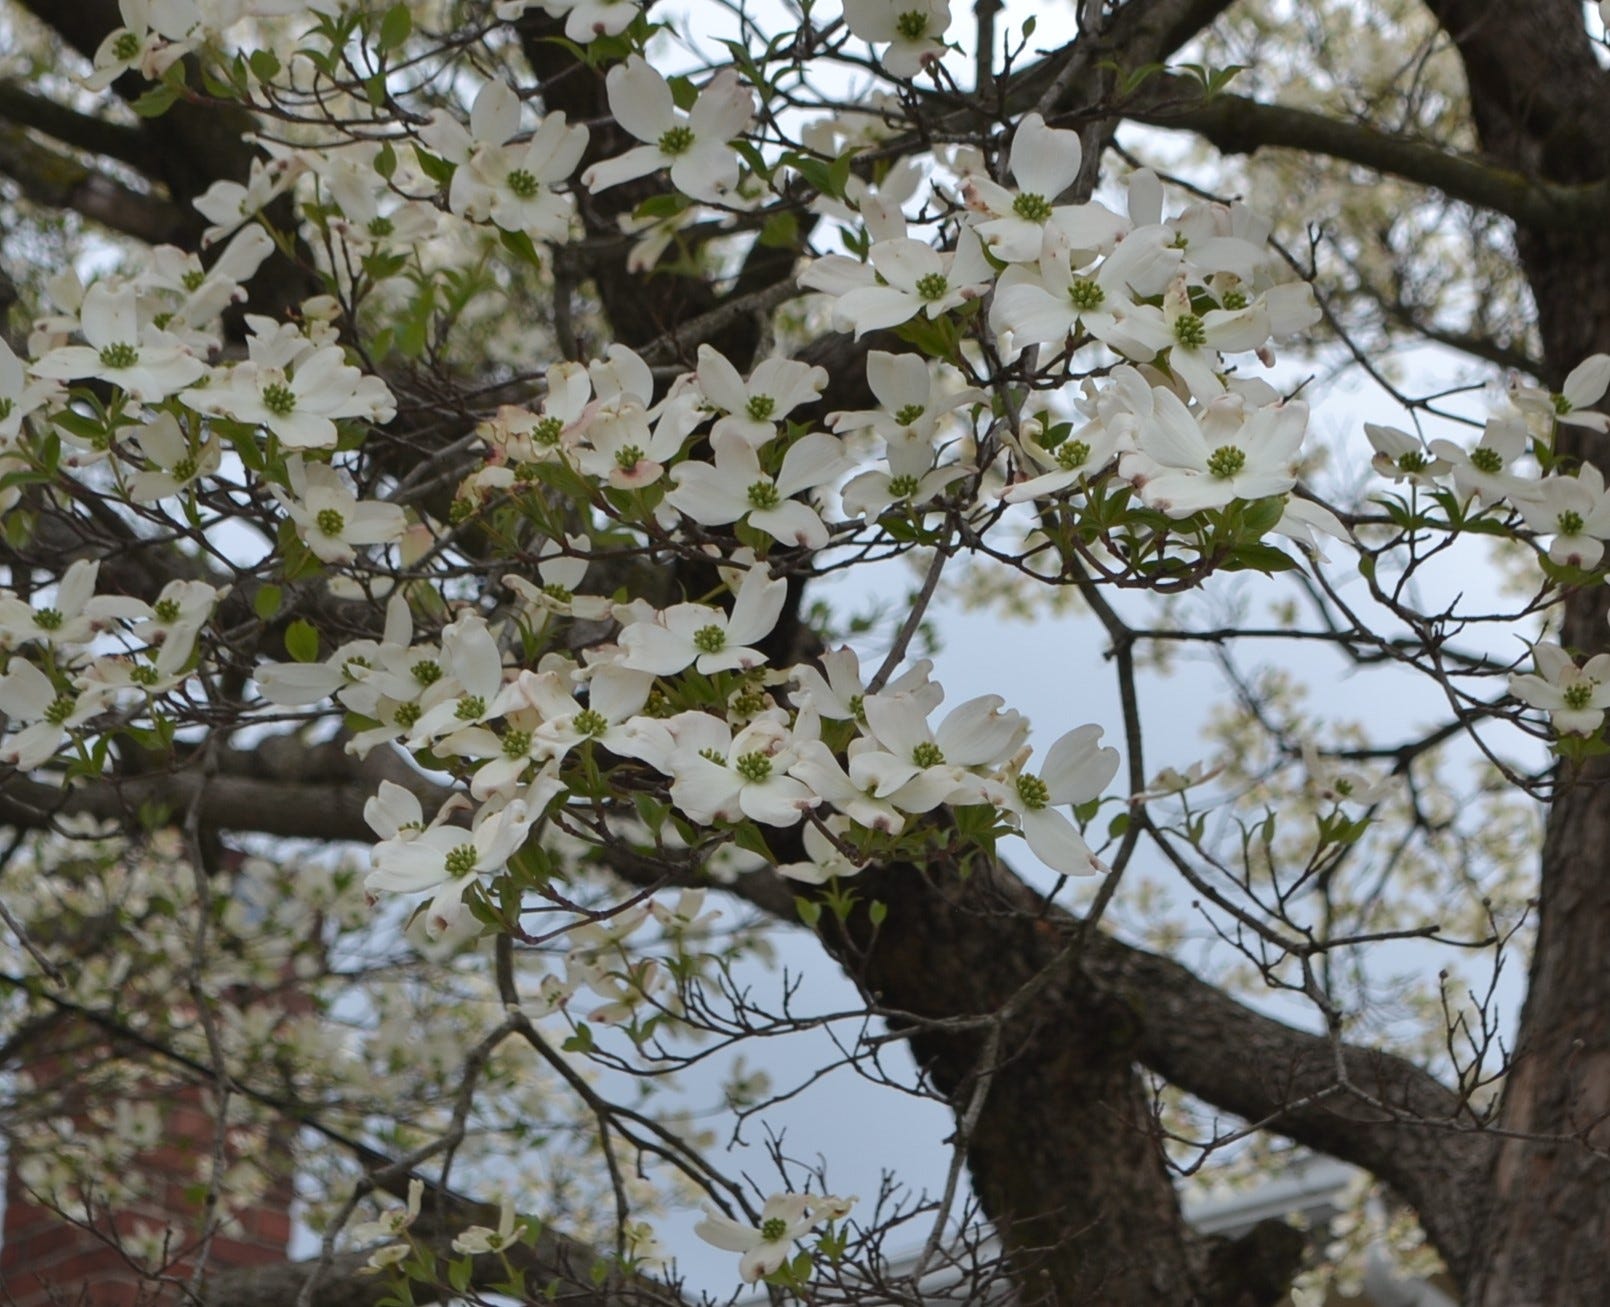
(792, 523)
(761, 1261)
(705, 790)
(873, 308)
(723, 110)
(898, 380)
(757, 607)
(810, 461)
(1587, 381)
(496, 114)
(636, 162)
(392, 809)
(724, 1233)
(880, 773)
(641, 99)
(721, 383)
(1076, 768)
(706, 172)
(25, 692)
(109, 316)
(1045, 160)
(904, 262)
(1057, 843)
(778, 801)
(977, 731)
(707, 496)
(652, 648)
(77, 586)
(1173, 437)
(1033, 315)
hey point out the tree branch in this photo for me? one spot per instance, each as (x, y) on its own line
(56, 180)
(1235, 124)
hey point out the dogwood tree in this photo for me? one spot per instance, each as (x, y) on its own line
(427, 434)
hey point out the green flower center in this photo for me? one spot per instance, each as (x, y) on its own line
(903, 487)
(470, 708)
(279, 399)
(48, 619)
(407, 714)
(1072, 454)
(1487, 460)
(5, 408)
(523, 184)
(426, 671)
(167, 610)
(120, 355)
(185, 469)
(927, 754)
(516, 744)
(628, 458)
(753, 767)
(858, 708)
(760, 407)
(329, 521)
(1562, 405)
(912, 25)
(126, 47)
(764, 495)
(1225, 461)
(1189, 331)
(1580, 695)
(61, 708)
(354, 665)
(1570, 523)
(381, 226)
(547, 431)
(932, 286)
(676, 140)
(590, 722)
(710, 639)
(460, 861)
(1085, 295)
(749, 701)
(909, 414)
(1234, 299)
(1034, 793)
(1031, 207)
(143, 674)
(558, 593)
(193, 279)
(773, 1228)
(1413, 461)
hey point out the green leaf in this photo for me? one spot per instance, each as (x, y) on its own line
(302, 641)
(265, 65)
(877, 911)
(395, 27)
(266, 602)
(810, 911)
(386, 160)
(581, 1041)
(155, 102)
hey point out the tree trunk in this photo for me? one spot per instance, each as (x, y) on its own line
(1542, 107)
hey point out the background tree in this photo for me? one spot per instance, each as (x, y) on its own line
(1456, 187)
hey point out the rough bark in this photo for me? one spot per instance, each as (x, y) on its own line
(1061, 1142)
(1542, 106)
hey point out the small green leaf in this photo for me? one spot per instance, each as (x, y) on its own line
(265, 65)
(266, 602)
(395, 27)
(877, 911)
(155, 102)
(302, 641)
(810, 911)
